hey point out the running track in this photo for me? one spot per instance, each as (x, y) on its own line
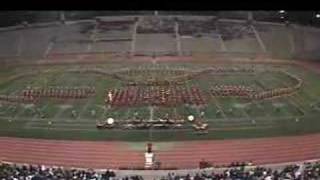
(115, 154)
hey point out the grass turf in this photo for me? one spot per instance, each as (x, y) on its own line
(242, 119)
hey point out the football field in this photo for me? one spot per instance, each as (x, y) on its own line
(227, 117)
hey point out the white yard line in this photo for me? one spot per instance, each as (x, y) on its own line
(291, 41)
(84, 108)
(243, 112)
(222, 45)
(175, 112)
(58, 113)
(134, 37)
(289, 100)
(49, 48)
(286, 98)
(34, 119)
(93, 38)
(151, 110)
(19, 48)
(217, 104)
(127, 114)
(178, 41)
(267, 114)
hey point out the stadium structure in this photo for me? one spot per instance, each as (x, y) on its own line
(198, 95)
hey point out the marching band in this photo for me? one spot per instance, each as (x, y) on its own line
(59, 92)
(155, 96)
(249, 93)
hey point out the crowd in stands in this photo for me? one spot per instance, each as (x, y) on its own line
(312, 171)
(30, 172)
(239, 171)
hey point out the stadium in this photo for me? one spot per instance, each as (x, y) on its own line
(159, 95)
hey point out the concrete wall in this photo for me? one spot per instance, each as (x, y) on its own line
(276, 40)
(202, 44)
(307, 42)
(155, 42)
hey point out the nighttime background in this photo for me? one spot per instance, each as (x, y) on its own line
(10, 18)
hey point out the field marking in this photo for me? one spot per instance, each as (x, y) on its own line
(217, 103)
(32, 120)
(59, 113)
(243, 112)
(290, 98)
(18, 89)
(17, 114)
(258, 105)
(7, 107)
(48, 102)
(61, 110)
(84, 108)
(103, 114)
(175, 112)
(93, 37)
(126, 116)
(19, 48)
(274, 100)
(306, 91)
(134, 37)
(48, 49)
(261, 86)
(151, 113)
(266, 113)
(236, 100)
(178, 40)
(222, 44)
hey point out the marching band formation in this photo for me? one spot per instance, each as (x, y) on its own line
(155, 96)
(32, 95)
(280, 92)
(232, 90)
(58, 92)
(17, 99)
(249, 93)
(177, 76)
(164, 76)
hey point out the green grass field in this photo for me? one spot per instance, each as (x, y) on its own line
(296, 114)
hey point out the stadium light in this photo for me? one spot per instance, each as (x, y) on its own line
(282, 11)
